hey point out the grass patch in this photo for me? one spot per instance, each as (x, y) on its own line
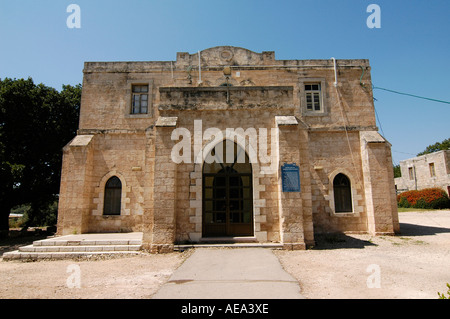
(404, 209)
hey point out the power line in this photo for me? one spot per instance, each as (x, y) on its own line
(404, 153)
(379, 122)
(416, 96)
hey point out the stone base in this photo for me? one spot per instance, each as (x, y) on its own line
(159, 248)
(294, 246)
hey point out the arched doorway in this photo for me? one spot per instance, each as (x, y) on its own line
(227, 192)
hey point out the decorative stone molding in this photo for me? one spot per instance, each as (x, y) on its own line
(100, 192)
(354, 186)
(215, 98)
(196, 187)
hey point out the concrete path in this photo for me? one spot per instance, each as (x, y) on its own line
(237, 273)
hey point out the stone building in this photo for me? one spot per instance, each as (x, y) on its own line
(425, 171)
(227, 143)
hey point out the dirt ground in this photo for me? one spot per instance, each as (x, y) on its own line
(414, 264)
(135, 277)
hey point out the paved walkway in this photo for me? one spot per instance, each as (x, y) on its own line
(221, 273)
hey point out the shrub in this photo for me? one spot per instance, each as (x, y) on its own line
(442, 295)
(429, 198)
(403, 202)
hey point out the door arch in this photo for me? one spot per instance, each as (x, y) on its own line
(227, 201)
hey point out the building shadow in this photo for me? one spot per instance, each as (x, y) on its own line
(421, 230)
(343, 241)
(339, 241)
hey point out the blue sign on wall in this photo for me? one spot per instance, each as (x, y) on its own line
(290, 177)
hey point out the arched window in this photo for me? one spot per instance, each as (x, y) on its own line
(342, 194)
(113, 195)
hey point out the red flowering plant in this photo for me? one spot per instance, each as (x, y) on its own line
(430, 198)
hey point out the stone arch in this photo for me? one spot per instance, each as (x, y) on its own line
(100, 192)
(356, 208)
(112, 199)
(196, 185)
(228, 201)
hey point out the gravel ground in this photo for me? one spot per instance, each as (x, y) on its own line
(414, 264)
(135, 277)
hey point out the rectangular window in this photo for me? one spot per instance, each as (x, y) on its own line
(139, 102)
(313, 96)
(432, 171)
(411, 173)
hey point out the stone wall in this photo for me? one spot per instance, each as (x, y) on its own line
(421, 173)
(164, 199)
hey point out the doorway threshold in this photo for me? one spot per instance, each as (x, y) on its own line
(228, 239)
(228, 242)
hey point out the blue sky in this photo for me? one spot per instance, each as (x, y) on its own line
(410, 52)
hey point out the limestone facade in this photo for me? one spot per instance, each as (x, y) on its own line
(425, 171)
(318, 114)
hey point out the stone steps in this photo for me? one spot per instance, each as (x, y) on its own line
(17, 255)
(80, 246)
(229, 245)
(89, 248)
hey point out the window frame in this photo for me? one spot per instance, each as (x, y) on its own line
(348, 191)
(312, 94)
(356, 196)
(411, 173)
(140, 95)
(303, 93)
(130, 96)
(110, 192)
(432, 168)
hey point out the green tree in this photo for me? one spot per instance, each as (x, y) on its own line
(397, 171)
(439, 146)
(36, 121)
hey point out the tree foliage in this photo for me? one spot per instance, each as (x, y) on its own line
(397, 171)
(36, 121)
(439, 146)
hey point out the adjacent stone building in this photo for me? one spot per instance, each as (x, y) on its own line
(425, 171)
(227, 143)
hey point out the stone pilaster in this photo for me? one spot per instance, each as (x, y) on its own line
(382, 215)
(164, 194)
(76, 186)
(290, 204)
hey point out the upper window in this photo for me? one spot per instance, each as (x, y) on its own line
(411, 173)
(139, 103)
(432, 170)
(313, 97)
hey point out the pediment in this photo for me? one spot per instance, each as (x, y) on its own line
(225, 55)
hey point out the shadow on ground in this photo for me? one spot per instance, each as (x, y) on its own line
(16, 239)
(420, 230)
(339, 241)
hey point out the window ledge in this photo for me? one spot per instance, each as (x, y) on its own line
(138, 116)
(344, 214)
(313, 113)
